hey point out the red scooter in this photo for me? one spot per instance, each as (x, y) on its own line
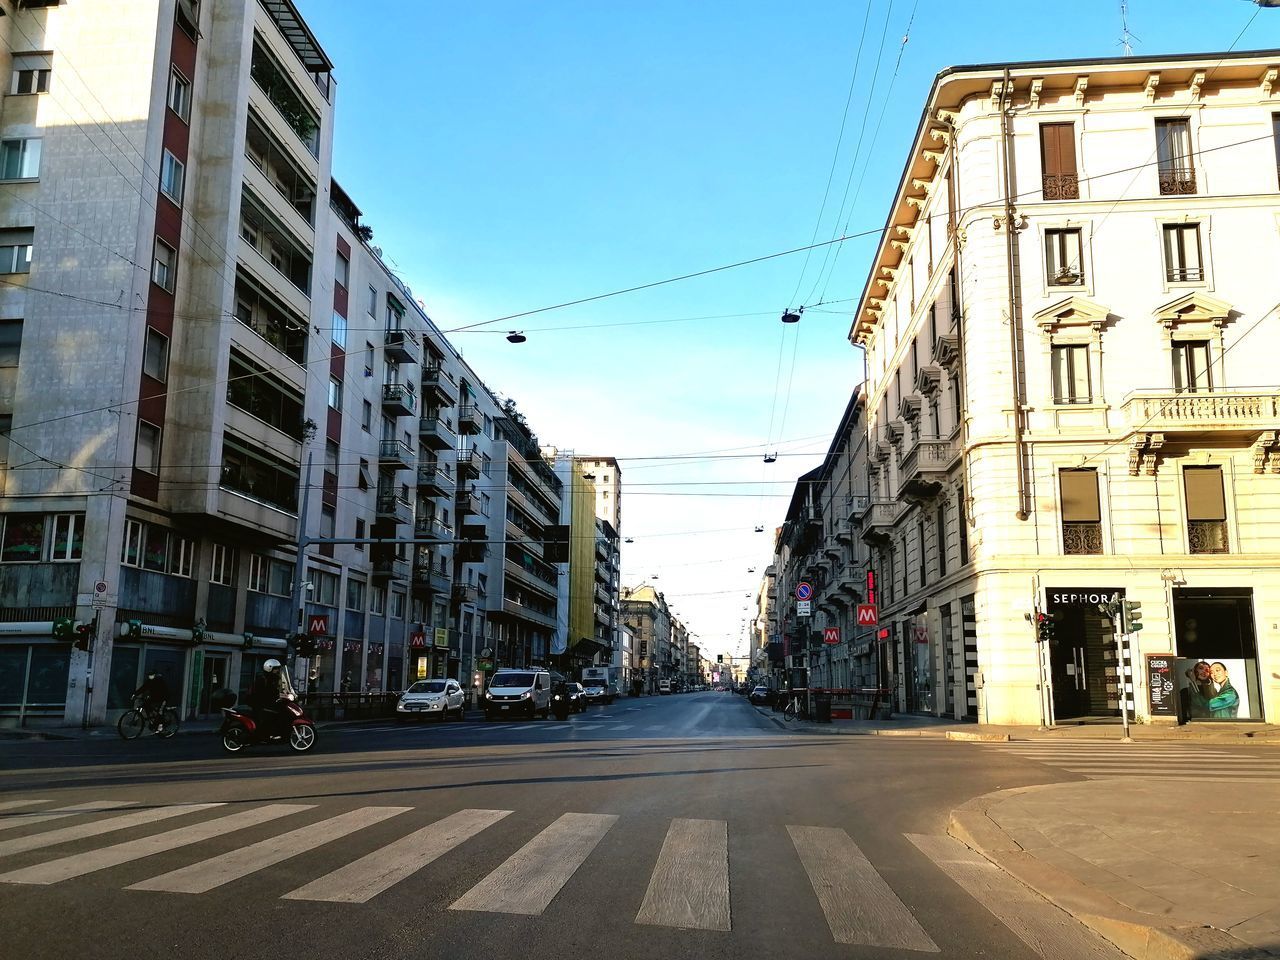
(291, 725)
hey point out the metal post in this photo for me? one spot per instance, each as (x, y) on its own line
(1120, 662)
(299, 571)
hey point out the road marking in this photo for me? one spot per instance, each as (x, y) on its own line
(78, 864)
(530, 878)
(690, 883)
(11, 804)
(208, 874)
(1050, 932)
(94, 806)
(98, 827)
(623, 726)
(362, 880)
(859, 906)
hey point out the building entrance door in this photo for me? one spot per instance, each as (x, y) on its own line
(213, 677)
(1082, 656)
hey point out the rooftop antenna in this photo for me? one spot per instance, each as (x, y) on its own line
(1126, 38)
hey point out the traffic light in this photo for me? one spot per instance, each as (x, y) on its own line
(64, 628)
(305, 645)
(1130, 616)
(248, 639)
(84, 635)
(1046, 626)
(719, 658)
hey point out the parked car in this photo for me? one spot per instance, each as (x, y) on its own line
(514, 693)
(431, 698)
(577, 696)
(664, 686)
(761, 695)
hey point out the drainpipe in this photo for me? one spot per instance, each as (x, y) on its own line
(1014, 274)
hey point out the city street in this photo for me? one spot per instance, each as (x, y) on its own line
(691, 825)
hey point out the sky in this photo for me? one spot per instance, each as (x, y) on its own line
(512, 156)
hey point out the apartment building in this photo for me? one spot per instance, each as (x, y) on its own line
(646, 614)
(1069, 324)
(177, 221)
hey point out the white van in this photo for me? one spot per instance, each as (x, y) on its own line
(514, 692)
(664, 686)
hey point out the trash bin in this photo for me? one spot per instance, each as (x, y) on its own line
(822, 707)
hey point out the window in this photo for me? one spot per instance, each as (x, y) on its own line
(924, 575)
(342, 271)
(155, 355)
(360, 533)
(373, 303)
(331, 457)
(940, 532)
(339, 329)
(962, 526)
(1081, 514)
(20, 159)
(281, 579)
(1206, 510)
(366, 415)
(173, 176)
(355, 595)
(363, 481)
(68, 536)
(1063, 264)
(179, 95)
(10, 342)
(324, 588)
(23, 537)
(1182, 260)
(378, 601)
(368, 359)
(258, 571)
(1275, 135)
(15, 250)
(131, 549)
(1071, 373)
(6, 424)
(1173, 153)
(224, 565)
(328, 521)
(155, 551)
(1191, 369)
(1058, 161)
(182, 558)
(397, 605)
(31, 73)
(335, 393)
(164, 266)
(147, 454)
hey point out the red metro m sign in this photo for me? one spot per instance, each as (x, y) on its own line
(867, 615)
(830, 634)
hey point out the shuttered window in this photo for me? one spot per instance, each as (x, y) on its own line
(1205, 500)
(1058, 161)
(1080, 495)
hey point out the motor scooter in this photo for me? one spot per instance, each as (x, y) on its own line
(241, 729)
(560, 703)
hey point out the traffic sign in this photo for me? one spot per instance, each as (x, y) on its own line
(804, 608)
(804, 590)
(830, 634)
(318, 625)
(868, 616)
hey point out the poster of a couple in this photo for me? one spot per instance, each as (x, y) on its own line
(1206, 691)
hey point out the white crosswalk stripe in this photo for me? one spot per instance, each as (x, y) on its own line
(690, 883)
(44, 816)
(96, 828)
(14, 804)
(1101, 760)
(208, 874)
(530, 878)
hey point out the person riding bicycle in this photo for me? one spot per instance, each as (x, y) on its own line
(264, 695)
(154, 693)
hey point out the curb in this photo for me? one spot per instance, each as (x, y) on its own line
(1133, 933)
(980, 737)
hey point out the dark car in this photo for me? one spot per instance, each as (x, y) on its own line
(761, 695)
(577, 696)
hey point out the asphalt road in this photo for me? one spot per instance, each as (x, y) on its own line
(691, 825)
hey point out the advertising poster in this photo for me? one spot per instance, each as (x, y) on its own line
(1213, 689)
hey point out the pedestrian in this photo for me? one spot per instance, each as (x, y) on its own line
(346, 683)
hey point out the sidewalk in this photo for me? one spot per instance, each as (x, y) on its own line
(1164, 870)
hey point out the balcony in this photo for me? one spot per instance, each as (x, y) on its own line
(434, 480)
(466, 593)
(401, 345)
(924, 469)
(433, 580)
(1081, 537)
(859, 504)
(438, 384)
(398, 400)
(531, 578)
(1225, 413)
(468, 465)
(292, 106)
(469, 419)
(395, 453)
(514, 608)
(468, 503)
(437, 433)
(433, 527)
(1061, 186)
(390, 567)
(1207, 536)
(877, 522)
(844, 531)
(391, 507)
(1176, 183)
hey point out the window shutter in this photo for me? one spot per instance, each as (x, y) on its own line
(1205, 500)
(1058, 148)
(1080, 496)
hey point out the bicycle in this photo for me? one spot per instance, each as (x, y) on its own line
(795, 709)
(162, 722)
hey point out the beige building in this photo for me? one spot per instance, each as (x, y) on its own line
(1070, 326)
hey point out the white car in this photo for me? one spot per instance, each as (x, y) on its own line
(431, 698)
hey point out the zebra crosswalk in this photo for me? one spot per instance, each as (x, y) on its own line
(689, 887)
(1111, 759)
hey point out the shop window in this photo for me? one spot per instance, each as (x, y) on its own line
(1206, 510)
(1217, 666)
(1081, 513)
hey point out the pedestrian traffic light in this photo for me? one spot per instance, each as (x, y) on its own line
(1046, 627)
(1130, 616)
(84, 635)
(63, 628)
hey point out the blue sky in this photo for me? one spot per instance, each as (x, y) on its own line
(511, 156)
